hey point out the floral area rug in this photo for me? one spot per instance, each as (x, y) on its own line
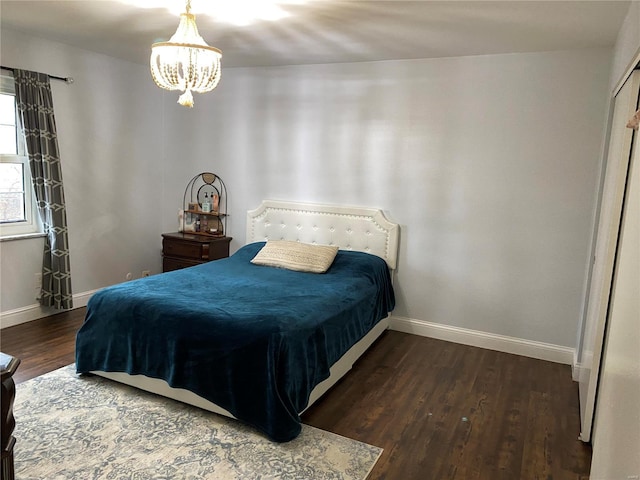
(87, 427)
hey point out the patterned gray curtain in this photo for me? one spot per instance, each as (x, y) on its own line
(35, 105)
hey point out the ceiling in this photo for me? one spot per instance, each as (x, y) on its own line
(332, 31)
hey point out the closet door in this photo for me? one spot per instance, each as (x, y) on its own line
(618, 158)
(616, 433)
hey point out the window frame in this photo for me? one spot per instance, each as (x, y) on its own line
(32, 225)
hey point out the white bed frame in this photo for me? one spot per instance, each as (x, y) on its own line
(350, 228)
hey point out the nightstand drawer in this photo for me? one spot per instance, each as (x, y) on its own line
(180, 248)
(169, 264)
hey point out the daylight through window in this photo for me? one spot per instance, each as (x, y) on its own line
(17, 209)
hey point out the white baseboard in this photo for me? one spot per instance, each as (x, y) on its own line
(581, 370)
(576, 372)
(490, 341)
(29, 313)
(575, 367)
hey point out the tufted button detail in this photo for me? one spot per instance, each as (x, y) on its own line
(315, 228)
(331, 229)
(367, 249)
(368, 232)
(349, 231)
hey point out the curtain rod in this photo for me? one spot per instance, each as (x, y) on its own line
(69, 80)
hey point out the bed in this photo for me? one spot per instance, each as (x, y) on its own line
(253, 342)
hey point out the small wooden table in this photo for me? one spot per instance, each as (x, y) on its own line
(8, 366)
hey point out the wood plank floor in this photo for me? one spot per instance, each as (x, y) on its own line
(439, 410)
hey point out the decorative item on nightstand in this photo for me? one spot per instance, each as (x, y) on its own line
(205, 204)
(202, 227)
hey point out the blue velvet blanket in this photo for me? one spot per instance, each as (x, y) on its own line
(254, 340)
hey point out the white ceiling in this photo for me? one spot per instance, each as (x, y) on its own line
(329, 31)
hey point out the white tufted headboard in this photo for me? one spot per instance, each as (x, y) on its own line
(350, 228)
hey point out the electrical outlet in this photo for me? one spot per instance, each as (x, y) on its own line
(146, 273)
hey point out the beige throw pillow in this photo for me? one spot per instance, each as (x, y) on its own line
(302, 257)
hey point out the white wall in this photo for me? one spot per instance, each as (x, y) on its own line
(489, 163)
(112, 150)
(627, 45)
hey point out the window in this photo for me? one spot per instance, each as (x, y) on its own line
(18, 212)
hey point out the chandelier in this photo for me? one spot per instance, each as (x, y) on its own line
(185, 62)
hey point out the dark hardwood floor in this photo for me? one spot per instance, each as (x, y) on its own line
(439, 410)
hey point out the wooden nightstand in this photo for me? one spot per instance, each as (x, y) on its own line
(181, 250)
(8, 366)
